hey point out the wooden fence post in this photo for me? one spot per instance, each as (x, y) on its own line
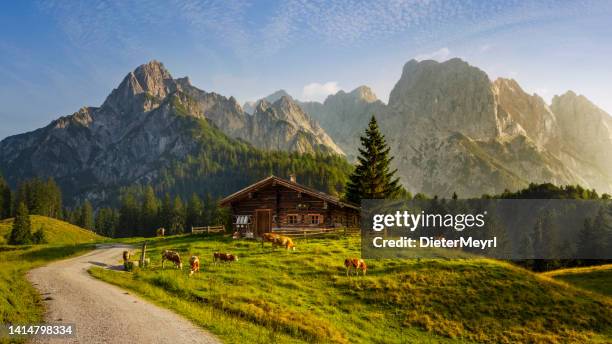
(143, 254)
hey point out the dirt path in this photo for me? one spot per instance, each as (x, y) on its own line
(102, 312)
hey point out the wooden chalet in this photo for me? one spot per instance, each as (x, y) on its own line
(276, 204)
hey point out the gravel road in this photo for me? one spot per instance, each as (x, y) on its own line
(104, 313)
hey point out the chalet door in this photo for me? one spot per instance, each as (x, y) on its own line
(263, 221)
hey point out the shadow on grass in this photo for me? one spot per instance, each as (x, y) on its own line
(55, 252)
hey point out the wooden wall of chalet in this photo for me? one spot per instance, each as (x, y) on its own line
(283, 202)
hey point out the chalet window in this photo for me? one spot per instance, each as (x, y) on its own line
(315, 219)
(292, 219)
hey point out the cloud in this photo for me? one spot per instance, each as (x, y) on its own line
(318, 92)
(484, 48)
(438, 55)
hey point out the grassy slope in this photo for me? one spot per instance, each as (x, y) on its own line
(593, 278)
(19, 301)
(304, 295)
(56, 231)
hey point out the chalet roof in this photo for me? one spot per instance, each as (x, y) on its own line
(288, 184)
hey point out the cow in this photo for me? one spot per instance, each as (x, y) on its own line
(284, 241)
(269, 237)
(357, 264)
(173, 257)
(194, 262)
(224, 257)
(126, 260)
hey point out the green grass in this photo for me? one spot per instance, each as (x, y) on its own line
(56, 231)
(20, 303)
(305, 296)
(593, 278)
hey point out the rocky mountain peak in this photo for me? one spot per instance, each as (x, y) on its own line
(364, 93)
(450, 96)
(287, 104)
(133, 95)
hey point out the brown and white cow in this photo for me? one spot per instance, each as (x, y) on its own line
(284, 241)
(269, 237)
(357, 264)
(224, 257)
(172, 256)
(194, 262)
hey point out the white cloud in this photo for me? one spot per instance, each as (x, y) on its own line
(317, 92)
(484, 48)
(438, 55)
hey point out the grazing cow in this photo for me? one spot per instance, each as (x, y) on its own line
(224, 257)
(269, 237)
(355, 263)
(194, 262)
(126, 260)
(284, 241)
(173, 257)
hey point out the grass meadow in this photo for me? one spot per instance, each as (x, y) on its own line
(304, 296)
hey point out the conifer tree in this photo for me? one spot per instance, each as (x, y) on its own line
(194, 212)
(22, 228)
(5, 199)
(86, 219)
(373, 177)
(149, 211)
(178, 216)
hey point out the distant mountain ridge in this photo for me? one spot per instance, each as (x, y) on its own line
(453, 130)
(153, 128)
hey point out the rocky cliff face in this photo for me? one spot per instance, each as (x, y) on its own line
(453, 130)
(283, 125)
(345, 115)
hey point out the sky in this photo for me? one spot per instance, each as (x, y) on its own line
(58, 56)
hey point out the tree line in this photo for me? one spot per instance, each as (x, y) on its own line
(140, 211)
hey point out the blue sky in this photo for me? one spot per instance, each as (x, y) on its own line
(56, 56)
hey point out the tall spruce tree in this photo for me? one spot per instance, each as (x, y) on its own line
(149, 212)
(86, 218)
(5, 199)
(194, 212)
(22, 228)
(373, 177)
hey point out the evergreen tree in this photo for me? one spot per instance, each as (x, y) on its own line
(194, 212)
(5, 199)
(165, 212)
(177, 224)
(149, 212)
(593, 238)
(106, 222)
(128, 216)
(22, 228)
(39, 236)
(373, 177)
(86, 218)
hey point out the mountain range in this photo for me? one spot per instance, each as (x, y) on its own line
(156, 129)
(450, 128)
